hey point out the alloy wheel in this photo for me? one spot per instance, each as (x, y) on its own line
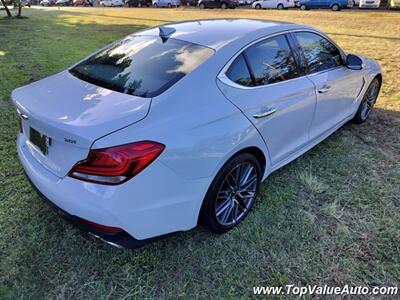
(370, 99)
(236, 194)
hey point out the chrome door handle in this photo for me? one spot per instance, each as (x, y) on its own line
(267, 112)
(324, 89)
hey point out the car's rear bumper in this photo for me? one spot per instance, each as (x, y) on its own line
(154, 203)
(120, 239)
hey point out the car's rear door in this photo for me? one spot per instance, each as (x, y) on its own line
(266, 84)
(336, 85)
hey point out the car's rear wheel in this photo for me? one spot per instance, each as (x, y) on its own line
(335, 7)
(280, 6)
(258, 6)
(202, 6)
(224, 6)
(303, 7)
(169, 5)
(367, 102)
(232, 193)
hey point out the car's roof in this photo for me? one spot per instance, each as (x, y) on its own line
(217, 33)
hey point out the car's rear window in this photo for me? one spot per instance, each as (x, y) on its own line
(142, 65)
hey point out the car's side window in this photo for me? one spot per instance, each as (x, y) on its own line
(320, 54)
(239, 73)
(271, 61)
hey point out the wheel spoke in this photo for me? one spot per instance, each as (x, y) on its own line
(235, 211)
(238, 174)
(248, 184)
(246, 175)
(223, 206)
(227, 213)
(241, 204)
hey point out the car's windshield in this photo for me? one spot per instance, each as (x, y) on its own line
(142, 65)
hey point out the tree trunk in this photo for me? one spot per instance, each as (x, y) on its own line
(19, 8)
(6, 8)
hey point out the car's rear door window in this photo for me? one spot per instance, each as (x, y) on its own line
(320, 54)
(142, 65)
(271, 61)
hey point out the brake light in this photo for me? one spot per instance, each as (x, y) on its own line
(118, 164)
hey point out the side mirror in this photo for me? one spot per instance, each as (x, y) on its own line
(353, 62)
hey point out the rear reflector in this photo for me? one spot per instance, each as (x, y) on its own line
(118, 164)
(109, 229)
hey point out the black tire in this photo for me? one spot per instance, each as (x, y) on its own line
(280, 6)
(224, 5)
(335, 7)
(303, 7)
(169, 5)
(258, 6)
(202, 6)
(361, 115)
(208, 216)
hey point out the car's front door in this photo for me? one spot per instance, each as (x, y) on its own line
(214, 3)
(265, 83)
(268, 3)
(336, 85)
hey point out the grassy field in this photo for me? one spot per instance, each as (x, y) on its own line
(331, 217)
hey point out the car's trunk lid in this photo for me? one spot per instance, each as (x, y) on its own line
(72, 114)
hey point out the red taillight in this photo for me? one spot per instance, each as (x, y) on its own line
(118, 164)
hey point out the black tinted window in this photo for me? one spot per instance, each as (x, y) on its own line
(320, 53)
(239, 73)
(271, 61)
(142, 65)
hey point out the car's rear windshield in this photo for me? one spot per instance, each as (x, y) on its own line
(143, 66)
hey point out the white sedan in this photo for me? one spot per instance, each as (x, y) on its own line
(178, 125)
(279, 4)
(112, 3)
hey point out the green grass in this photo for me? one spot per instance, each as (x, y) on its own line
(330, 217)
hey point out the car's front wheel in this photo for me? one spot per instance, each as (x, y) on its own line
(258, 6)
(303, 7)
(280, 6)
(232, 193)
(367, 102)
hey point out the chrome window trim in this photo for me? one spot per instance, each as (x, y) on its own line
(225, 79)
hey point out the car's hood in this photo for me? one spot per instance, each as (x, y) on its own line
(74, 113)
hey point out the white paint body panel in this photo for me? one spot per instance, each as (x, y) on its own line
(273, 3)
(200, 127)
